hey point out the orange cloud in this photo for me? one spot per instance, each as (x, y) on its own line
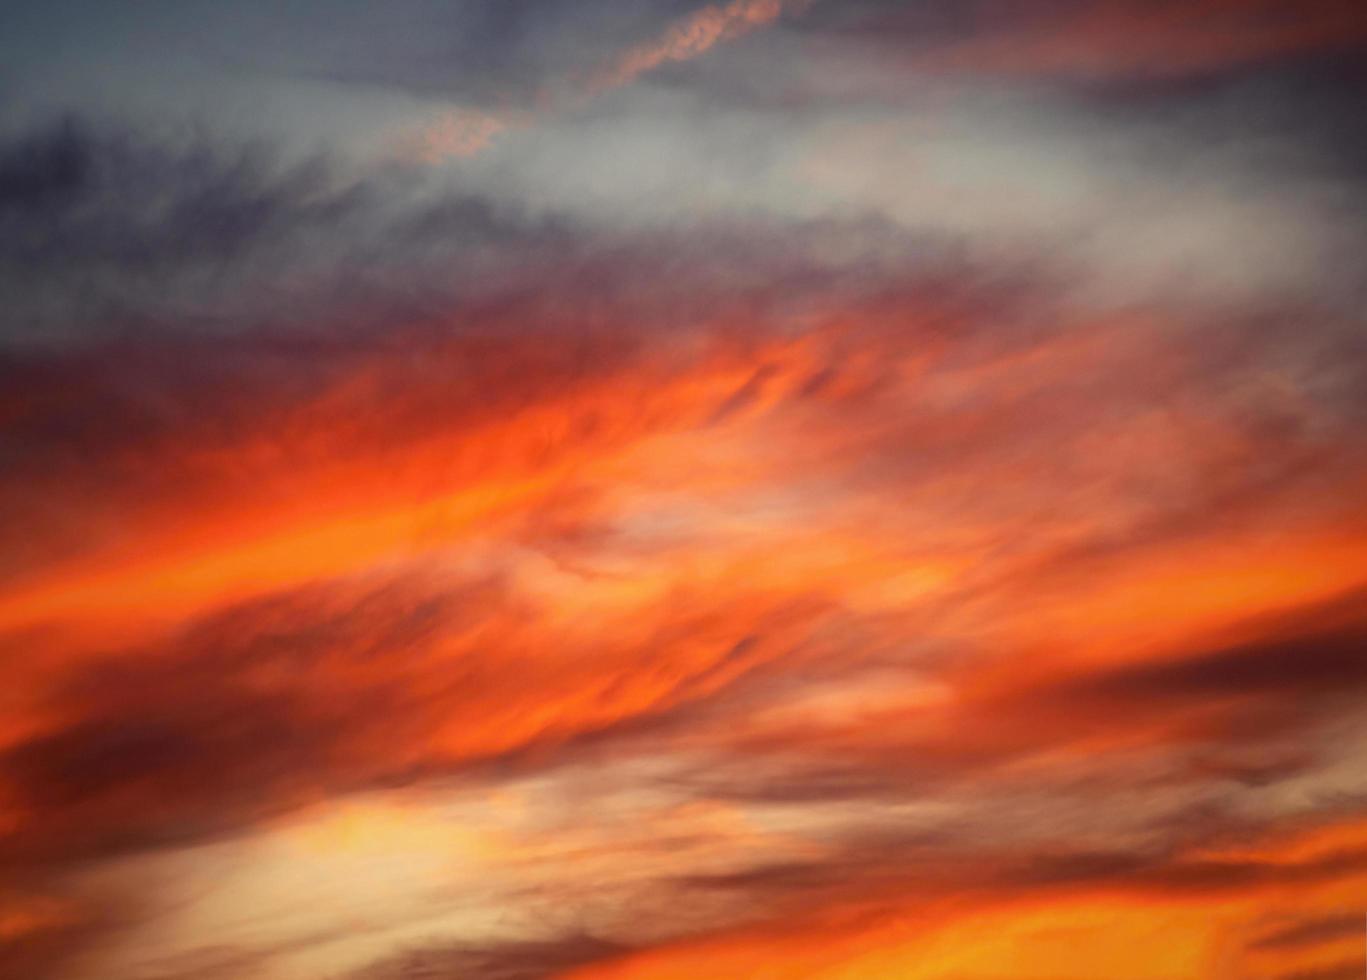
(671, 607)
(1076, 931)
(858, 617)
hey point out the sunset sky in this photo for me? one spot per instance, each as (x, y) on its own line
(657, 490)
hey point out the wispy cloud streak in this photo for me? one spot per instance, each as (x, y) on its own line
(466, 132)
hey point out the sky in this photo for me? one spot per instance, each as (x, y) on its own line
(654, 489)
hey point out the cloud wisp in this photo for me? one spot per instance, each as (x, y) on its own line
(466, 132)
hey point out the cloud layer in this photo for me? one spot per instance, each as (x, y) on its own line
(834, 490)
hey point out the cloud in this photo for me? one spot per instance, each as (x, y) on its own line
(1311, 932)
(1317, 662)
(1339, 971)
(44, 171)
(692, 37)
(107, 226)
(93, 206)
(243, 693)
(466, 132)
(525, 960)
(1115, 39)
(863, 525)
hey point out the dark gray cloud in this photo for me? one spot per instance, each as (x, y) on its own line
(106, 232)
(81, 212)
(102, 229)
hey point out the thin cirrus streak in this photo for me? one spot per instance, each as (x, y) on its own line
(692, 37)
(467, 132)
(859, 516)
